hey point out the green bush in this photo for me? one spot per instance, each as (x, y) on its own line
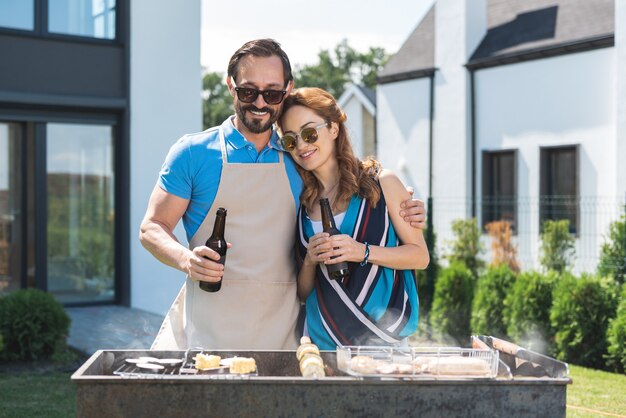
(32, 323)
(491, 289)
(452, 304)
(613, 253)
(527, 310)
(466, 246)
(557, 245)
(581, 310)
(616, 337)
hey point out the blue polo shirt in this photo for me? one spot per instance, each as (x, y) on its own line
(193, 169)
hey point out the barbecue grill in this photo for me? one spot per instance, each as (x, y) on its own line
(109, 385)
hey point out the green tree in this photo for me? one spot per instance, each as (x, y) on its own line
(466, 245)
(452, 304)
(581, 311)
(557, 245)
(613, 254)
(217, 104)
(487, 306)
(342, 65)
(526, 310)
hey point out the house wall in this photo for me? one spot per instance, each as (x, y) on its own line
(620, 61)
(369, 133)
(566, 100)
(354, 109)
(403, 130)
(165, 104)
(459, 27)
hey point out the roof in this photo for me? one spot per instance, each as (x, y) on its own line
(516, 31)
(534, 28)
(416, 57)
(363, 94)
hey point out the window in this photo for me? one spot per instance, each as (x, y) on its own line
(11, 210)
(559, 185)
(87, 18)
(17, 14)
(81, 212)
(91, 18)
(499, 188)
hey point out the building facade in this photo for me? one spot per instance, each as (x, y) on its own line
(514, 115)
(92, 95)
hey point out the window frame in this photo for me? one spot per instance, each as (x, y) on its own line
(488, 185)
(545, 182)
(41, 30)
(35, 171)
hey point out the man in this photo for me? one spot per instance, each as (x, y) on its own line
(238, 166)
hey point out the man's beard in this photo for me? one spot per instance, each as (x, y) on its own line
(256, 126)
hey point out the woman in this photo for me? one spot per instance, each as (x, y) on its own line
(377, 303)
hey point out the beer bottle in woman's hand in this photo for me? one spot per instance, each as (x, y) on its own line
(217, 243)
(340, 270)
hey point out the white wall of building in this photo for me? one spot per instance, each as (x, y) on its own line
(620, 68)
(459, 27)
(354, 110)
(566, 100)
(165, 104)
(403, 130)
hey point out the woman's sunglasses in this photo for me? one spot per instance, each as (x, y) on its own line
(309, 135)
(249, 95)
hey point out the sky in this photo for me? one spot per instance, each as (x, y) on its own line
(305, 28)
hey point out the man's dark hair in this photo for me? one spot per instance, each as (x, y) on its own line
(260, 48)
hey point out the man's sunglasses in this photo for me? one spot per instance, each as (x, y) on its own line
(309, 135)
(249, 95)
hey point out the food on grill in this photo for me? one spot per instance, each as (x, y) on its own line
(452, 365)
(306, 347)
(311, 363)
(169, 361)
(205, 362)
(363, 364)
(387, 368)
(242, 365)
(150, 366)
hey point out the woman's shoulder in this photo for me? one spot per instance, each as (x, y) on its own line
(392, 185)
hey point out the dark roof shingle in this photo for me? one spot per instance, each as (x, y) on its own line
(516, 30)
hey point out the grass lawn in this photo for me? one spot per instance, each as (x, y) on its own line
(50, 393)
(37, 394)
(596, 390)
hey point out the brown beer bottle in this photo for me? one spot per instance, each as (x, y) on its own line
(217, 243)
(340, 270)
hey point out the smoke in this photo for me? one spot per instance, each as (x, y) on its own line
(534, 339)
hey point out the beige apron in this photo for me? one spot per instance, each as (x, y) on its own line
(257, 306)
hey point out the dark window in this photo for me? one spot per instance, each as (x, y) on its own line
(499, 188)
(559, 185)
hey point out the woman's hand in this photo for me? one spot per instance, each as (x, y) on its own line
(318, 249)
(344, 248)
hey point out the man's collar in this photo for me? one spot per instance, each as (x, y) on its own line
(238, 141)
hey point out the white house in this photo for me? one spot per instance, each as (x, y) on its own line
(359, 104)
(501, 109)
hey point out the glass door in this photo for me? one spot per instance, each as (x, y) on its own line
(11, 193)
(81, 212)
